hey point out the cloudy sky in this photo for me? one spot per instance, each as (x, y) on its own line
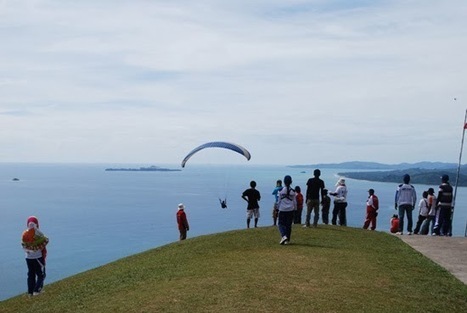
(294, 82)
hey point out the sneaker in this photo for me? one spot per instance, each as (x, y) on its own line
(409, 233)
(306, 225)
(36, 293)
(399, 233)
(283, 240)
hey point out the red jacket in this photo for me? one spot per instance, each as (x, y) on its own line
(372, 203)
(182, 220)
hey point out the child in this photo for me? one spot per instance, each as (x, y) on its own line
(275, 192)
(182, 221)
(325, 205)
(287, 205)
(429, 223)
(298, 212)
(34, 244)
(423, 209)
(394, 224)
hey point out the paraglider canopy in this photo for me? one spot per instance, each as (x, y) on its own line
(218, 144)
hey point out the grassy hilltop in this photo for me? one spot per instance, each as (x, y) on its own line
(327, 269)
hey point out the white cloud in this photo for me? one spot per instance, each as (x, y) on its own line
(295, 82)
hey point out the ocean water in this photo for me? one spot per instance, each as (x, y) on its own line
(93, 217)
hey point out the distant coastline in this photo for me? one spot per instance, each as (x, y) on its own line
(143, 169)
(426, 173)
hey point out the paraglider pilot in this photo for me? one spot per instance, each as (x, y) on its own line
(223, 203)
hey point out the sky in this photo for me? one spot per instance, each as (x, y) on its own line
(294, 82)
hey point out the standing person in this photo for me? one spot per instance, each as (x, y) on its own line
(405, 200)
(325, 205)
(423, 210)
(429, 224)
(275, 193)
(394, 224)
(372, 206)
(444, 203)
(298, 213)
(34, 244)
(287, 206)
(340, 203)
(182, 221)
(315, 186)
(252, 196)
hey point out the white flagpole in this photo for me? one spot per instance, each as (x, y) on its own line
(458, 168)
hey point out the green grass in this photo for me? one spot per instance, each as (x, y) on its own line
(328, 269)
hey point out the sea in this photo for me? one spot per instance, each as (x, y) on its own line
(94, 217)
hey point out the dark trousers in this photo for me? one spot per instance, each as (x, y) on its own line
(421, 218)
(325, 215)
(403, 209)
(297, 218)
(443, 224)
(182, 234)
(339, 211)
(36, 274)
(285, 223)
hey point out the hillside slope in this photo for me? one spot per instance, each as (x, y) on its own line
(325, 269)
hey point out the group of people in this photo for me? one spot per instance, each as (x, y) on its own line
(289, 203)
(434, 212)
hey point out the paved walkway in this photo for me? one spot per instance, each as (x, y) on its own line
(449, 252)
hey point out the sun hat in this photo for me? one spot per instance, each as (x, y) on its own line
(181, 206)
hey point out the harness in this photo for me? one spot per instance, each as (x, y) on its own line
(287, 195)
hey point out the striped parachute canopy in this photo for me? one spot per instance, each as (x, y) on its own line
(218, 144)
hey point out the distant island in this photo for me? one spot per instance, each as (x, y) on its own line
(144, 169)
(426, 173)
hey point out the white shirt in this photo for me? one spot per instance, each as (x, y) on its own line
(286, 202)
(423, 207)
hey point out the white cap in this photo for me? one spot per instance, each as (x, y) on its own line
(341, 181)
(181, 206)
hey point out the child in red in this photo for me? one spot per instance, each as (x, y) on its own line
(182, 221)
(394, 224)
(299, 198)
(34, 244)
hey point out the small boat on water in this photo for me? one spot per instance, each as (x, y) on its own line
(15, 179)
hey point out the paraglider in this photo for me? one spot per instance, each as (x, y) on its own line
(223, 203)
(218, 144)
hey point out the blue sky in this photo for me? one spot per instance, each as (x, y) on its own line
(295, 82)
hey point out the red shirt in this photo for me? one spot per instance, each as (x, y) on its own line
(394, 225)
(299, 199)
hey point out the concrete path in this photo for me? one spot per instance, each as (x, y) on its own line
(449, 252)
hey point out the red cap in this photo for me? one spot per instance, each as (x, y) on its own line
(34, 220)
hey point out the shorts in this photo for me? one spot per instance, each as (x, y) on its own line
(275, 211)
(251, 213)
